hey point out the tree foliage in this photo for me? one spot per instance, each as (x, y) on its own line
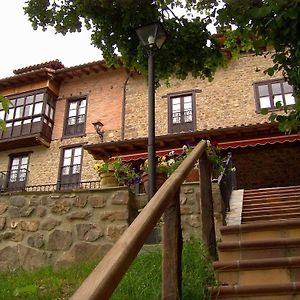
(4, 103)
(190, 47)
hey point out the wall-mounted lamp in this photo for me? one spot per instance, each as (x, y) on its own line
(98, 127)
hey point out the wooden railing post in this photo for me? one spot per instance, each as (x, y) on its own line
(207, 207)
(172, 250)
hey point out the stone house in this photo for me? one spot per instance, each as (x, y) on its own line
(51, 138)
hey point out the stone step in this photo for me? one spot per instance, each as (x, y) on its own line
(252, 206)
(269, 210)
(271, 217)
(270, 198)
(261, 230)
(278, 291)
(264, 191)
(255, 271)
(280, 247)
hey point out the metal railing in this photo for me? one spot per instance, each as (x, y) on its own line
(227, 181)
(101, 283)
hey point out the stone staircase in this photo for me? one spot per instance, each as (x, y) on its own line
(260, 259)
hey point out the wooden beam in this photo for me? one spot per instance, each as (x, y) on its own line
(172, 250)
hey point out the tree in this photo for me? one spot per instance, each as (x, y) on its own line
(4, 103)
(191, 48)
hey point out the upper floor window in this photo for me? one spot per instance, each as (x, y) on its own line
(268, 93)
(28, 114)
(182, 116)
(75, 117)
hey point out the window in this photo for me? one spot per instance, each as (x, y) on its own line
(75, 117)
(27, 114)
(71, 161)
(268, 93)
(17, 172)
(182, 115)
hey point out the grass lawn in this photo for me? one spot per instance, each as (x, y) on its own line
(143, 281)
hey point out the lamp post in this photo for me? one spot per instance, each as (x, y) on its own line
(152, 37)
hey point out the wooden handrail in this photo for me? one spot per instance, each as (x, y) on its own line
(103, 280)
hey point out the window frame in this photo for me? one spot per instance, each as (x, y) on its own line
(269, 83)
(66, 116)
(181, 95)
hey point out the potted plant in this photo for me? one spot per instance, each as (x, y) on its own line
(114, 172)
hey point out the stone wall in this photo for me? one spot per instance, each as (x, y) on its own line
(38, 229)
(227, 100)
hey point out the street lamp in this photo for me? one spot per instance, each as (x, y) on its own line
(152, 37)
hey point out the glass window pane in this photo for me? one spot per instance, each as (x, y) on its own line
(80, 119)
(287, 88)
(12, 103)
(72, 113)
(175, 101)
(82, 103)
(19, 112)
(67, 161)
(68, 153)
(278, 98)
(15, 161)
(27, 121)
(2, 113)
(10, 114)
(78, 151)
(263, 90)
(20, 101)
(289, 99)
(73, 105)
(276, 88)
(66, 170)
(47, 110)
(18, 123)
(38, 119)
(81, 111)
(28, 110)
(51, 113)
(38, 108)
(29, 99)
(72, 121)
(76, 169)
(265, 102)
(24, 160)
(39, 97)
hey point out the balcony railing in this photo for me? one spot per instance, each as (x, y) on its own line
(182, 121)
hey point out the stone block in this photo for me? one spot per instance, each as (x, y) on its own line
(89, 232)
(14, 212)
(36, 240)
(40, 211)
(15, 236)
(34, 201)
(194, 221)
(3, 208)
(120, 198)
(60, 240)
(50, 224)
(97, 201)
(26, 211)
(83, 252)
(186, 210)
(79, 215)
(30, 226)
(2, 223)
(115, 215)
(61, 207)
(113, 232)
(80, 201)
(18, 201)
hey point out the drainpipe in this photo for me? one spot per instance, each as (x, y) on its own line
(124, 106)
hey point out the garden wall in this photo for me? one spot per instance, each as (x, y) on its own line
(60, 228)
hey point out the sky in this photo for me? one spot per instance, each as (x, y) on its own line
(21, 46)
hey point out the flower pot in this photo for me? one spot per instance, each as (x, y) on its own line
(108, 179)
(193, 176)
(160, 179)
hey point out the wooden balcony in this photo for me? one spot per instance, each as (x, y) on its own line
(25, 132)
